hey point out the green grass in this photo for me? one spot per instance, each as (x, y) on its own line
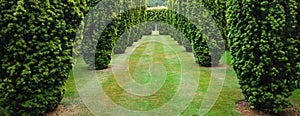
(226, 58)
(139, 59)
(121, 97)
(295, 99)
(145, 52)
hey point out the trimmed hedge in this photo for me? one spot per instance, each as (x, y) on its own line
(194, 39)
(265, 48)
(217, 9)
(157, 15)
(113, 31)
(163, 28)
(149, 27)
(107, 40)
(198, 38)
(124, 41)
(189, 30)
(36, 43)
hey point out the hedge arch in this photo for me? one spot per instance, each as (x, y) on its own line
(202, 40)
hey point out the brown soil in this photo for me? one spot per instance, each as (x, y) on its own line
(244, 108)
(59, 109)
(72, 110)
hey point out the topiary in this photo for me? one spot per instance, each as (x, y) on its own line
(217, 10)
(36, 44)
(111, 33)
(109, 36)
(163, 28)
(265, 50)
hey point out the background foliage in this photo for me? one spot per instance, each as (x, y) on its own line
(117, 27)
(120, 22)
(203, 39)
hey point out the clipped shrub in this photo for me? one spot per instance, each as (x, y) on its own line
(157, 15)
(113, 31)
(188, 30)
(217, 9)
(111, 34)
(123, 41)
(35, 53)
(163, 28)
(121, 44)
(90, 4)
(149, 27)
(197, 38)
(296, 43)
(265, 50)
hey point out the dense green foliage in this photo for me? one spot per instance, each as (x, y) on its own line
(163, 28)
(157, 15)
(120, 23)
(217, 9)
(35, 53)
(163, 16)
(265, 48)
(37, 40)
(149, 27)
(108, 38)
(189, 30)
(203, 39)
(132, 34)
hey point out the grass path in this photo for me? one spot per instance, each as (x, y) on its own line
(162, 50)
(149, 58)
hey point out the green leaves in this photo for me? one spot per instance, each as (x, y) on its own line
(125, 21)
(120, 24)
(196, 38)
(35, 53)
(262, 42)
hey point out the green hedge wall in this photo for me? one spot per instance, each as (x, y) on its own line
(139, 15)
(149, 27)
(157, 15)
(265, 49)
(198, 38)
(163, 28)
(107, 40)
(217, 9)
(35, 53)
(192, 40)
(124, 22)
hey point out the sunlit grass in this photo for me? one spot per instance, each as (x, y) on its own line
(121, 97)
(295, 99)
(225, 105)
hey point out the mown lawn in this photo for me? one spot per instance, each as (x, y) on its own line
(225, 105)
(161, 50)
